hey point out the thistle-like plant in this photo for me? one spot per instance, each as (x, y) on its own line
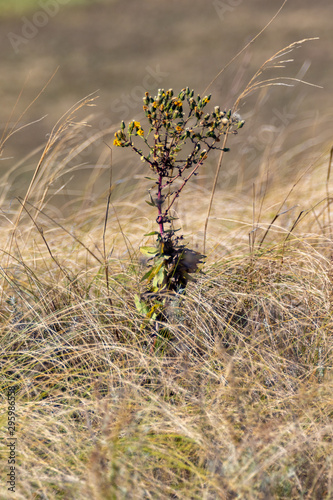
(180, 138)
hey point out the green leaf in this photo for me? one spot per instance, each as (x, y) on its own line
(153, 271)
(150, 178)
(141, 307)
(150, 203)
(149, 250)
(152, 233)
(159, 277)
(148, 276)
(155, 284)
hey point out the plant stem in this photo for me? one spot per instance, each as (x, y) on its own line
(159, 204)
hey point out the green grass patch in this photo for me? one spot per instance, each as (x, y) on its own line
(25, 7)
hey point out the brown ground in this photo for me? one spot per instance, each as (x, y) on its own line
(114, 47)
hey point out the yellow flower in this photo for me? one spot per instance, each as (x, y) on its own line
(137, 124)
(179, 128)
(140, 132)
(178, 103)
(116, 142)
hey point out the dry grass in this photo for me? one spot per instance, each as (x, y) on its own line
(236, 399)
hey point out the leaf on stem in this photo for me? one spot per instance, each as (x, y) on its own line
(149, 250)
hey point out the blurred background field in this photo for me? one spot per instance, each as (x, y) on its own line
(119, 50)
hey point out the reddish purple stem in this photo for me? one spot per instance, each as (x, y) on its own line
(159, 204)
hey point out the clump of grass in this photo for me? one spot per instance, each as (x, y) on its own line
(235, 399)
